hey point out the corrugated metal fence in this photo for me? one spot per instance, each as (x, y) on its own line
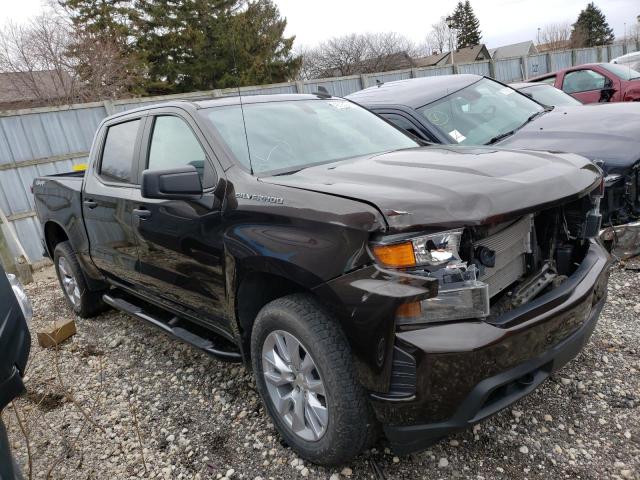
(48, 140)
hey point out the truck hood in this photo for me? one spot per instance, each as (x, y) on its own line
(446, 186)
(608, 132)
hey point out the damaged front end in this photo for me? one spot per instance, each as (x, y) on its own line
(484, 271)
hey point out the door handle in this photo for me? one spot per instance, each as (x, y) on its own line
(141, 213)
(90, 204)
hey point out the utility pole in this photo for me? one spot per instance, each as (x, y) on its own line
(450, 25)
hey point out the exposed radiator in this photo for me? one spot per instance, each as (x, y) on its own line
(510, 244)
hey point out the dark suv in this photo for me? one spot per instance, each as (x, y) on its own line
(363, 277)
(15, 342)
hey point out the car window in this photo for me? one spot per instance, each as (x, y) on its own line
(583, 81)
(403, 123)
(118, 151)
(174, 145)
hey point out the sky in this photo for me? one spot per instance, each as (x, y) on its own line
(501, 21)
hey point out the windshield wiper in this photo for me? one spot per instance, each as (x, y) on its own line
(499, 137)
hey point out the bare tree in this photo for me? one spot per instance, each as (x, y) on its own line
(441, 37)
(49, 61)
(34, 60)
(633, 33)
(357, 53)
(555, 36)
(103, 67)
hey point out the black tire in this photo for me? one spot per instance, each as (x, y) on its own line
(85, 303)
(351, 422)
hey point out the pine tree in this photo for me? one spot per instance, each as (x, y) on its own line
(466, 24)
(591, 28)
(206, 44)
(471, 27)
(458, 18)
(108, 17)
(263, 53)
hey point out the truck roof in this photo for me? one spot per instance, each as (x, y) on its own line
(414, 92)
(222, 101)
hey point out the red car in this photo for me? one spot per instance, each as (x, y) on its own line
(596, 82)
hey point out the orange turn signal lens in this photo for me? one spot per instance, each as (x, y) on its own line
(396, 255)
(409, 310)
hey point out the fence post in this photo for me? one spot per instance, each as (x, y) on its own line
(6, 258)
(524, 67)
(413, 73)
(364, 81)
(299, 86)
(14, 237)
(573, 58)
(108, 107)
(492, 68)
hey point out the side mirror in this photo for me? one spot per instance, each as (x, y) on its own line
(175, 184)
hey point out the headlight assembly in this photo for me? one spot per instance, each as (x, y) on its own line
(433, 250)
(460, 294)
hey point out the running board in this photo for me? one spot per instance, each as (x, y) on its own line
(170, 327)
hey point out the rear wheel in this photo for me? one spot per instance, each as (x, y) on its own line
(83, 301)
(306, 378)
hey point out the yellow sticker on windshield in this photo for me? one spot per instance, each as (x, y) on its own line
(457, 136)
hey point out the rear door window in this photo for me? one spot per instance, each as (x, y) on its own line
(118, 152)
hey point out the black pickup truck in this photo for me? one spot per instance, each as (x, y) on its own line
(366, 279)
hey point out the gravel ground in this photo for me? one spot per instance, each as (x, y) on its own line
(122, 400)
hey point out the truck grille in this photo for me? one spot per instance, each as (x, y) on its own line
(511, 243)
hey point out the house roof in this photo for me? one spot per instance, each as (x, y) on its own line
(431, 60)
(558, 45)
(18, 89)
(513, 50)
(462, 55)
(471, 54)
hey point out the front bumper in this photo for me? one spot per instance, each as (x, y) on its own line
(467, 371)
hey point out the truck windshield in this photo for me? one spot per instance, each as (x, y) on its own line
(290, 135)
(480, 113)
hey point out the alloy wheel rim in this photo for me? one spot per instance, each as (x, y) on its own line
(69, 283)
(295, 386)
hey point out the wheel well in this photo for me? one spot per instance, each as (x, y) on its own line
(255, 291)
(53, 235)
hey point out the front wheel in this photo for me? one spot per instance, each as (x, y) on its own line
(306, 379)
